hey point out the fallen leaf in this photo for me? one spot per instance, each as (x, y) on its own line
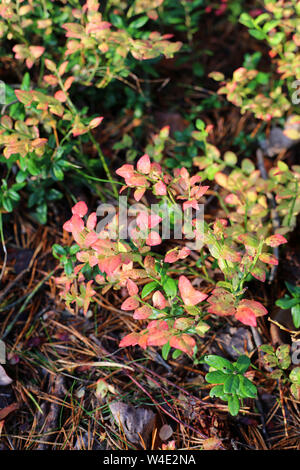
(211, 444)
(165, 432)
(4, 379)
(137, 423)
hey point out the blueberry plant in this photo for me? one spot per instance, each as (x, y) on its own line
(173, 308)
(291, 301)
(279, 360)
(41, 129)
(232, 384)
(179, 268)
(249, 88)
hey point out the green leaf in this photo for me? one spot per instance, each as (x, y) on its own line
(233, 405)
(257, 34)
(58, 250)
(276, 39)
(247, 166)
(139, 23)
(294, 290)
(26, 82)
(241, 392)
(266, 348)
(148, 288)
(276, 374)
(170, 287)
(283, 356)
(242, 364)
(230, 158)
(68, 267)
(32, 168)
(224, 284)
(246, 20)
(13, 195)
(231, 384)
(218, 392)
(296, 315)
(247, 387)
(295, 375)
(53, 195)
(40, 213)
(176, 353)
(261, 18)
(216, 377)
(165, 350)
(200, 125)
(117, 21)
(74, 249)
(58, 172)
(219, 363)
(270, 25)
(286, 302)
(21, 177)
(7, 204)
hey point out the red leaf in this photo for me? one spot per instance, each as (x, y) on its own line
(130, 304)
(201, 191)
(221, 302)
(184, 342)
(138, 193)
(175, 255)
(158, 337)
(245, 315)
(158, 300)
(153, 239)
(132, 288)
(248, 310)
(95, 122)
(135, 180)
(143, 164)
(89, 292)
(189, 295)
(142, 313)
(268, 259)
(61, 96)
(130, 340)
(259, 273)
(76, 224)
(145, 221)
(125, 171)
(276, 240)
(160, 189)
(258, 309)
(90, 239)
(91, 221)
(80, 209)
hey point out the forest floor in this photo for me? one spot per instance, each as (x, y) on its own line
(56, 359)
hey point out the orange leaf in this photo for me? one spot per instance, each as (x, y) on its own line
(184, 342)
(130, 304)
(189, 295)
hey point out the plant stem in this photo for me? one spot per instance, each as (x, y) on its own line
(106, 169)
